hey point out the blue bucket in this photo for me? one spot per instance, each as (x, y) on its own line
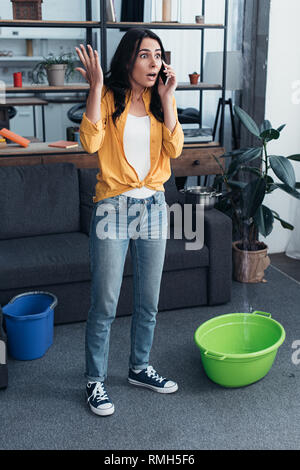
(29, 320)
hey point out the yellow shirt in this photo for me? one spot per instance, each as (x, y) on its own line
(116, 175)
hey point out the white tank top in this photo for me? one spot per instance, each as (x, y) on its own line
(137, 151)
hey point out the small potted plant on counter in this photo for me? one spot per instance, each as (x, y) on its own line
(194, 78)
(55, 69)
(243, 201)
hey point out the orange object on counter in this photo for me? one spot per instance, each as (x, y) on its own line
(14, 137)
(64, 144)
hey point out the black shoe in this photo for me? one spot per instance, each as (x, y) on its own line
(149, 378)
(98, 400)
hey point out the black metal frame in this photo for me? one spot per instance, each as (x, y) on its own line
(103, 26)
(233, 128)
(43, 122)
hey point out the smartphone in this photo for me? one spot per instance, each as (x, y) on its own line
(162, 74)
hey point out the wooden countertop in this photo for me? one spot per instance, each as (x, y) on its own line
(37, 148)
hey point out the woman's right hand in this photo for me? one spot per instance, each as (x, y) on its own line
(92, 71)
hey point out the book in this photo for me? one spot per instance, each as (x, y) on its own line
(198, 135)
(64, 144)
(14, 137)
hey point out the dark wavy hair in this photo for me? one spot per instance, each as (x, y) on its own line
(122, 64)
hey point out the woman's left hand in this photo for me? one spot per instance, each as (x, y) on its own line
(168, 89)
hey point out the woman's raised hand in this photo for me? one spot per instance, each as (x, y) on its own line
(92, 71)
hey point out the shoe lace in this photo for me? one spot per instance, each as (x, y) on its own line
(152, 373)
(99, 392)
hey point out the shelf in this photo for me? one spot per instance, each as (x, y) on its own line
(48, 89)
(20, 58)
(189, 145)
(200, 86)
(162, 25)
(109, 24)
(85, 87)
(50, 24)
(25, 101)
(25, 59)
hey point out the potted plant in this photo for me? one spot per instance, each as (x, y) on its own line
(194, 77)
(243, 200)
(56, 69)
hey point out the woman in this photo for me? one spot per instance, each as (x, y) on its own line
(131, 121)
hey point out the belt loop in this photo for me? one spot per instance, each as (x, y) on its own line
(156, 197)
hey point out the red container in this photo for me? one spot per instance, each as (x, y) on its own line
(18, 79)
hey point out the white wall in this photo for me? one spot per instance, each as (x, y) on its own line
(283, 106)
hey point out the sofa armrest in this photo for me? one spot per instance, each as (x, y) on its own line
(218, 239)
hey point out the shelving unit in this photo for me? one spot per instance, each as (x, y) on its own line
(179, 26)
(103, 26)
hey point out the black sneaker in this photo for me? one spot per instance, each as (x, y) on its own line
(98, 399)
(149, 378)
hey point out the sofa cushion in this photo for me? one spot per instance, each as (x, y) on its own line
(38, 199)
(44, 260)
(64, 258)
(176, 257)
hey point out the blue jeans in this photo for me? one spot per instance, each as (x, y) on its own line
(116, 223)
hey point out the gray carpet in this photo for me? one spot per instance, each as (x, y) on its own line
(44, 406)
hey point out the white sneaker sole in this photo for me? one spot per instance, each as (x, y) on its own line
(172, 389)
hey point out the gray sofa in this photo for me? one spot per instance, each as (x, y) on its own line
(45, 214)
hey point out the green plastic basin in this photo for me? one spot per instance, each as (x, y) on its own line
(238, 349)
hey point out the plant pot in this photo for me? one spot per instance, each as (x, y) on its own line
(249, 266)
(56, 74)
(194, 78)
